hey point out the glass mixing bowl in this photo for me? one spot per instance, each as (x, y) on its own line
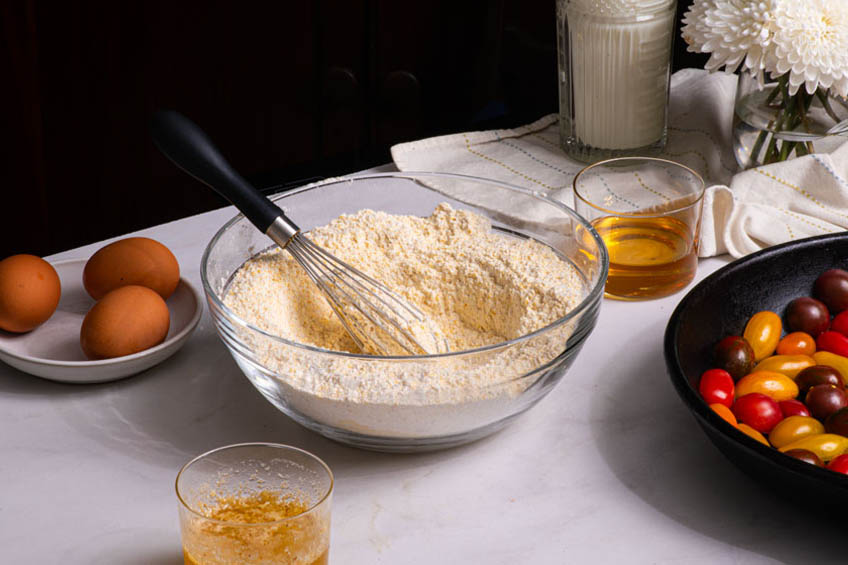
(362, 400)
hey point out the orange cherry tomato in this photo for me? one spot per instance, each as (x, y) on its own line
(725, 413)
(793, 428)
(789, 365)
(751, 432)
(763, 332)
(796, 343)
(826, 446)
(775, 385)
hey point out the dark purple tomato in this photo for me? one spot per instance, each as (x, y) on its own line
(839, 464)
(758, 411)
(837, 423)
(832, 288)
(824, 400)
(807, 315)
(805, 455)
(734, 355)
(817, 375)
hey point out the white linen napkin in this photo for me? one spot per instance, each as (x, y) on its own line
(743, 212)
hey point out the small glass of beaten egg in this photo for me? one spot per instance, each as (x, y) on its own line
(255, 503)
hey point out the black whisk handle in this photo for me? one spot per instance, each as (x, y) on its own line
(184, 143)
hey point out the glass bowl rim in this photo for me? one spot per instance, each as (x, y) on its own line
(280, 446)
(591, 297)
(699, 198)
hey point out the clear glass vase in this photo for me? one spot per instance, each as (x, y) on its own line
(770, 125)
(614, 66)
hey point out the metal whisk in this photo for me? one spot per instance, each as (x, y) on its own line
(375, 317)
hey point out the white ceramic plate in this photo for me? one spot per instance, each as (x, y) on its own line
(52, 350)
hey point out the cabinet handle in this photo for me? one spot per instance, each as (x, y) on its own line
(400, 94)
(340, 87)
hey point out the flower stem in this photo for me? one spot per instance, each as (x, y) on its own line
(784, 111)
(826, 105)
(758, 145)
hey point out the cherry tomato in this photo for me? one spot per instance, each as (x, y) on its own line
(807, 315)
(794, 428)
(775, 385)
(716, 387)
(837, 423)
(839, 323)
(793, 408)
(725, 413)
(734, 355)
(824, 400)
(838, 362)
(789, 365)
(806, 456)
(762, 332)
(839, 464)
(817, 375)
(833, 342)
(826, 446)
(796, 343)
(831, 287)
(758, 411)
(751, 432)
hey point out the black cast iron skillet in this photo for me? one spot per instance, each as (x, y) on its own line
(719, 306)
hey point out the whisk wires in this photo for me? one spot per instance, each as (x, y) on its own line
(371, 313)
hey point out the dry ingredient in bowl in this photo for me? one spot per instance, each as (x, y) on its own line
(478, 286)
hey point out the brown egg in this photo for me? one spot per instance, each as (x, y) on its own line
(125, 321)
(135, 260)
(29, 292)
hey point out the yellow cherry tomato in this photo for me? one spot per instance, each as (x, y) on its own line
(725, 413)
(826, 446)
(794, 428)
(838, 362)
(796, 343)
(749, 431)
(789, 365)
(775, 385)
(763, 332)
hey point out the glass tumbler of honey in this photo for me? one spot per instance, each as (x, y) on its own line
(648, 212)
(255, 503)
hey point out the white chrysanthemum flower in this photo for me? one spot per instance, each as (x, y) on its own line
(811, 44)
(733, 32)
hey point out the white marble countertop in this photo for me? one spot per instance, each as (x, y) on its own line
(609, 468)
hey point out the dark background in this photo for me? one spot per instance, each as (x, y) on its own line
(290, 92)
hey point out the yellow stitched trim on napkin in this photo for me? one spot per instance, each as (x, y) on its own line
(504, 165)
(799, 190)
(808, 222)
(648, 188)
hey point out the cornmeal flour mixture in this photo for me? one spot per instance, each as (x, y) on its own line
(480, 288)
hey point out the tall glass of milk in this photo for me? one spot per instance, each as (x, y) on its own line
(614, 67)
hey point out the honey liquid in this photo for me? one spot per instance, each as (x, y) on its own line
(260, 528)
(322, 559)
(649, 257)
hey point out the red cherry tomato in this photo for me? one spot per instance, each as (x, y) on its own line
(834, 342)
(716, 387)
(793, 408)
(839, 464)
(840, 323)
(758, 411)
